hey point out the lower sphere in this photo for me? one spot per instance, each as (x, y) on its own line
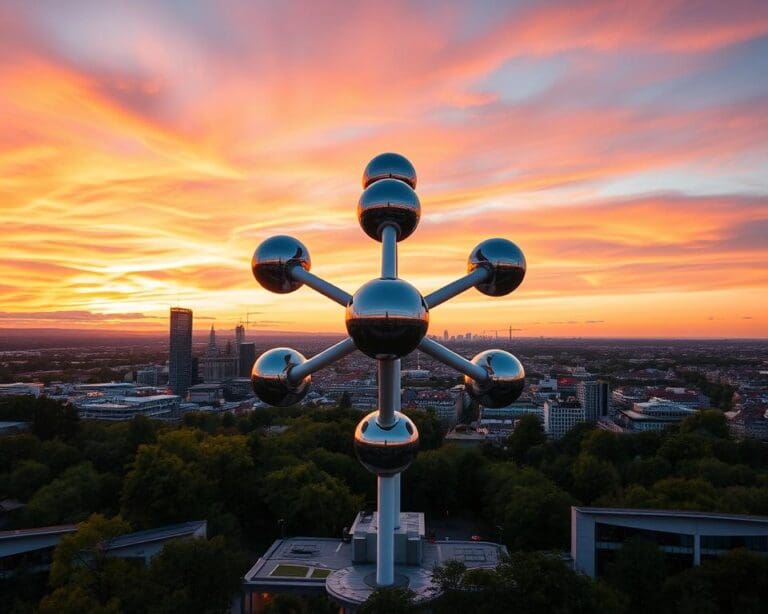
(386, 451)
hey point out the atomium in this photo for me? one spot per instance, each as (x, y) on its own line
(505, 382)
(270, 377)
(273, 261)
(386, 319)
(388, 450)
(505, 263)
(389, 201)
(389, 166)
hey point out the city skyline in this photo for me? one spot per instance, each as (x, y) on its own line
(148, 148)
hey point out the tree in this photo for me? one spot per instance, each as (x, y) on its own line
(430, 435)
(638, 571)
(527, 434)
(430, 483)
(707, 422)
(593, 478)
(83, 575)
(389, 600)
(345, 401)
(69, 498)
(309, 500)
(525, 583)
(161, 488)
(534, 514)
(195, 575)
(17, 448)
(605, 445)
(735, 584)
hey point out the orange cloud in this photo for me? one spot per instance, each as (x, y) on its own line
(140, 165)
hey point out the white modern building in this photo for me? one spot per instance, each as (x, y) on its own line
(559, 418)
(654, 415)
(513, 411)
(685, 538)
(159, 407)
(8, 390)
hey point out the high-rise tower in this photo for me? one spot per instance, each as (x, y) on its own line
(180, 355)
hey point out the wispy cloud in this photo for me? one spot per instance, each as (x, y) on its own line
(147, 148)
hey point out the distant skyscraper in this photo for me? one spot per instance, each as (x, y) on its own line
(180, 355)
(213, 349)
(239, 336)
(593, 397)
(246, 358)
(445, 335)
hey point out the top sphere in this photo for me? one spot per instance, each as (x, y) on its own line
(273, 260)
(504, 260)
(389, 201)
(389, 166)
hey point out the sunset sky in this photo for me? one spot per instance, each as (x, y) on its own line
(146, 148)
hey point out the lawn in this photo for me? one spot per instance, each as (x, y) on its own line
(290, 571)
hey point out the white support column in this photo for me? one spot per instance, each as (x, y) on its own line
(385, 537)
(396, 505)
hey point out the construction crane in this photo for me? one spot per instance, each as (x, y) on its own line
(247, 318)
(497, 331)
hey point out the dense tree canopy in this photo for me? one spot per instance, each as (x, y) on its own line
(251, 481)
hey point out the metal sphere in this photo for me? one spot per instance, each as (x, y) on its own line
(507, 379)
(270, 377)
(386, 451)
(506, 262)
(273, 260)
(387, 318)
(389, 165)
(389, 201)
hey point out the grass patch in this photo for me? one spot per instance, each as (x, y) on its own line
(320, 573)
(290, 571)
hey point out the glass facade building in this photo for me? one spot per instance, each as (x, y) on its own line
(180, 355)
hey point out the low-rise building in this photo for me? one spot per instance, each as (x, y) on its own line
(8, 390)
(561, 417)
(685, 538)
(160, 407)
(653, 415)
(32, 549)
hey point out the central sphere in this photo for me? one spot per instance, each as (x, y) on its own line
(387, 318)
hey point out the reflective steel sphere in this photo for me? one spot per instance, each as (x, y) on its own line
(506, 383)
(389, 165)
(273, 260)
(270, 377)
(387, 318)
(386, 451)
(506, 262)
(389, 201)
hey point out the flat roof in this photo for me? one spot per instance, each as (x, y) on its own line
(348, 582)
(52, 530)
(620, 511)
(162, 533)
